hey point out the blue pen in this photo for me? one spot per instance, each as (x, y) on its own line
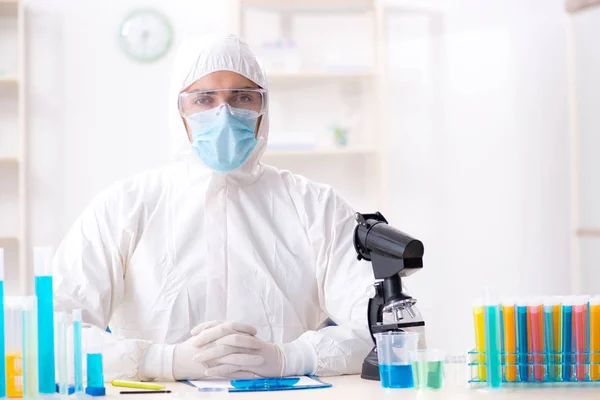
(522, 345)
(567, 324)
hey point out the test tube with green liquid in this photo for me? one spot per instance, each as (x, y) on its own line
(549, 339)
(492, 345)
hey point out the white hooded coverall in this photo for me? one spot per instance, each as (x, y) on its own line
(157, 254)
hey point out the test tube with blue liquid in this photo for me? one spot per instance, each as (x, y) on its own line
(567, 339)
(2, 339)
(522, 341)
(42, 257)
(95, 377)
(30, 348)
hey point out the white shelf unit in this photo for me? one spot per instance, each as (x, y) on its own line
(311, 5)
(318, 75)
(13, 146)
(358, 167)
(345, 151)
(9, 80)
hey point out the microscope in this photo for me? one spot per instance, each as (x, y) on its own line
(393, 255)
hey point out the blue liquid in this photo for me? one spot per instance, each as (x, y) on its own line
(43, 291)
(522, 345)
(2, 351)
(94, 370)
(567, 342)
(396, 376)
(492, 346)
(77, 356)
(264, 383)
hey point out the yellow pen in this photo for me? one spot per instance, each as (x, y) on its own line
(137, 385)
(510, 342)
(595, 338)
(478, 318)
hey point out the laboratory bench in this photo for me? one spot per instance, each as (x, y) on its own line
(354, 388)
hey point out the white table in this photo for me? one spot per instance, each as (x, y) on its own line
(355, 388)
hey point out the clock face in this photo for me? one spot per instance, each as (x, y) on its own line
(145, 35)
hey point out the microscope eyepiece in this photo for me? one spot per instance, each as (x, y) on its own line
(390, 250)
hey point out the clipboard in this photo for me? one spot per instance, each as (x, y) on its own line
(261, 384)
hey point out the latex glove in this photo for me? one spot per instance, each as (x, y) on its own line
(194, 357)
(254, 357)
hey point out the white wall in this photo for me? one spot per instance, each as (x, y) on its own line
(479, 150)
(482, 175)
(95, 116)
(586, 31)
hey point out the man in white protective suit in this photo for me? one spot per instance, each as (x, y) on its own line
(218, 265)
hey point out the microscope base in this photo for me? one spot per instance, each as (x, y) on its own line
(370, 368)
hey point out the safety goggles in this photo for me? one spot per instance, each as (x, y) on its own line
(240, 101)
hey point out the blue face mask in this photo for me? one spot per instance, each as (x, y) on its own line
(222, 141)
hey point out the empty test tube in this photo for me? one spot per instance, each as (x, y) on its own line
(77, 352)
(61, 353)
(30, 348)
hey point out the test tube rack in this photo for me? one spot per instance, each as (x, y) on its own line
(558, 369)
(552, 341)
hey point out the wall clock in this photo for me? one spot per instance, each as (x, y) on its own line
(145, 35)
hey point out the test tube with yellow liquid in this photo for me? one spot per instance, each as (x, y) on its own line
(595, 338)
(479, 323)
(13, 320)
